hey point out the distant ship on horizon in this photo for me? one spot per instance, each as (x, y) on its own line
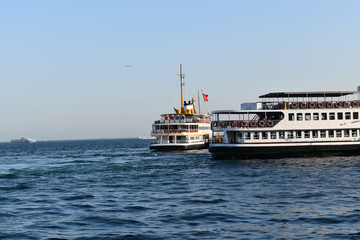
(23, 140)
(146, 137)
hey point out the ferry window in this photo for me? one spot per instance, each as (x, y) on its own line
(322, 134)
(346, 133)
(323, 116)
(281, 134)
(253, 135)
(306, 134)
(273, 135)
(347, 115)
(332, 116)
(340, 115)
(331, 133)
(240, 135)
(299, 117)
(354, 132)
(307, 116)
(291, 117)
(256, 135)
(355, 115)
(338, 133)
(298, 134)
(264, 135)
(315, 134)
(290, 135)
(247, 136)
(316, 116)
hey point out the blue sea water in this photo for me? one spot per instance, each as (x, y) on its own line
(118, 189)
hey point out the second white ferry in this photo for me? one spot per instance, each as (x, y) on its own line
(183, 130)
(289, 124)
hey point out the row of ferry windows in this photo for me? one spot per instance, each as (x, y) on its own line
(299, 134)
(323, 116)
(175, 127)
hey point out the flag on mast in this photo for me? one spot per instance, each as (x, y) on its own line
(205, 97)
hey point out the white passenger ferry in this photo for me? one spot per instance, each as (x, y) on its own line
(289, 124)
(183, 130)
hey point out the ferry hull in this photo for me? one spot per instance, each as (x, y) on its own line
(263, 152)
(177, 147)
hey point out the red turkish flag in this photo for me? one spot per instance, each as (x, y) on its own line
(205, 97)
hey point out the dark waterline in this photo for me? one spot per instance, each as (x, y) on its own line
(118, 189)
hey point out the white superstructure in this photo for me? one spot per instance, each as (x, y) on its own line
(293, 124)
(180, 131)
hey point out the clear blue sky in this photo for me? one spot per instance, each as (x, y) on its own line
(63, 63)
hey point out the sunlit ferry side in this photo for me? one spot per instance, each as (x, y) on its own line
(289, 124)
(183, 130)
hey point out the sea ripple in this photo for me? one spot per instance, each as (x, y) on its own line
(119, 189)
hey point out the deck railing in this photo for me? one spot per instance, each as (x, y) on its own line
(171, 131)
(182, 121)
(245, 124)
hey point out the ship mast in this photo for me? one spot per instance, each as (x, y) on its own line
(182, 94)
(199, 102)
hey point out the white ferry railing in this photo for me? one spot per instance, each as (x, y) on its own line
(244, 124)
(322, 104)
(181, 121)
(173, 131)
